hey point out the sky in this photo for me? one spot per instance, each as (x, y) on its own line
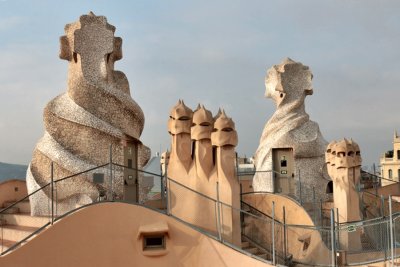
(215, 53)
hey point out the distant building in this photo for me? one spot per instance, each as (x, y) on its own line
(390, 163)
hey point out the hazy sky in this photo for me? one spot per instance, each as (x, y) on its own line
(215, 53)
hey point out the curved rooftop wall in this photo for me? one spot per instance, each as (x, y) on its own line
(109, 234)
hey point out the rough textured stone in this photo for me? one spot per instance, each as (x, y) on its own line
(80, 125)
(202, 156)
(343, 160)
(290, 127)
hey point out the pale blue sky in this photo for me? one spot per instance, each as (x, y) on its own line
(216, 53)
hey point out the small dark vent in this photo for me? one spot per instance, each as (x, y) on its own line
(153, 242)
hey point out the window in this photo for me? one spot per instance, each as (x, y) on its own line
(390, 174)
(129, 163)
(153, 242)
(283, 161)
(98, 178)
(398, 154)
(329, 188)
(398, 174)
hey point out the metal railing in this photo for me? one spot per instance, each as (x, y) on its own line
(58, 194)
(377, 179)
(296, 187)
(360, 242)
(226, 223)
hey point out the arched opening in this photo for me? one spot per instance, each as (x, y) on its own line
(329, 188)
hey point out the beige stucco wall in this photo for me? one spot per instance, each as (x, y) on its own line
(107, 235)
(12, 190)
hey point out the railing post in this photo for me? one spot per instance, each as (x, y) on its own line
(382, 206)
(391, 230)
(110, 193)
(2, 238)
(52, 191)
(300, 195)
(284, 233)
(168, 184)
(273, 233)
(162, 189)
(320, 212)
(338, 227)
(56, 201)
(218, 214)
(237, 167)
(241, 192)
(384, 229)
(333, 245)
(314, 205)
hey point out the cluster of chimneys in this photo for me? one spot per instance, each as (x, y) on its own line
(201, 124)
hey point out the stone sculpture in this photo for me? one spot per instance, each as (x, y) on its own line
(80, 125)
(290, 127)
(343, 160)
(202, 156)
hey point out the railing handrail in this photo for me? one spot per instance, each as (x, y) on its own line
(262, 171)
(136, 169)
(380, 177)
(260, 215)
(370, 193)
(46, 185)
(190, 189)
(277, 194)
(257, 210)
(25, 238)
(79, 173)
(67, 177)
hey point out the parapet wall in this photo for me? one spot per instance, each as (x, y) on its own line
(107, 235)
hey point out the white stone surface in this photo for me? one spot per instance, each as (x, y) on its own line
(96, 112)
(290, 127)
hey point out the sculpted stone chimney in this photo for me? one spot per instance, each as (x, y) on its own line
(80, 125)
(202, 158)
(343, 161)
(291, 148)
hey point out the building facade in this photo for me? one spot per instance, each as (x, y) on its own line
(390, 163)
